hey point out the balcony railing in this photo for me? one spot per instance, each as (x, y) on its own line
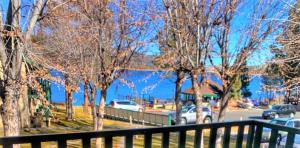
(253, 130)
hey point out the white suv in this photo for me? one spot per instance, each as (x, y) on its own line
(128, 105)
(188, 115)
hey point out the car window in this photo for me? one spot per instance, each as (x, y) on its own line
(283, 107)
(205, 109)
(193, 110)
(276, 107)
(185, 109)
(296, 124)
(124, 102)
(290, 124)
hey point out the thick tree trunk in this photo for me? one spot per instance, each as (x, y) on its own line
(198, 99)
(10, 112)
(100, 117)
(198, 96)
(221, 116)
(69, 99)
(23, 101)
(223, 107)
(86, 97)
(69, 110)
(178, 103)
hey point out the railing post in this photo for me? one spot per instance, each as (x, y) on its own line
(165, 140)
(147, 140)
(226, 140)
(240, 136)
(250, 136)
(258, 134)
(290, 140)
(108, 141)
(182, 139)
(86, 142)
(62, 143)
(36, 144)
(129, 141)
(273, 138)
(198, 138)
(213, 137)
(7, 145)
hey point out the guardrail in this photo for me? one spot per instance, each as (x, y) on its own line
(252, 139)
(138, 117)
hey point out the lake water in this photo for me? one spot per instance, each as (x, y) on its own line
(143, 84)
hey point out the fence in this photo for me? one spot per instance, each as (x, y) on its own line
(138, 117)
(253, 138)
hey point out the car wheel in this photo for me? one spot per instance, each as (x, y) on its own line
(183, 121)
(207, 120)
(292, 115)
(276, 116)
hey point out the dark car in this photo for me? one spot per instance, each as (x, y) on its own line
(279, 111)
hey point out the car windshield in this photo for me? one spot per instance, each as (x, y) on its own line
(276, 107)
(279, 122)
(185, 109)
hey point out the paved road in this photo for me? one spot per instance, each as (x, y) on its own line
(246, 115)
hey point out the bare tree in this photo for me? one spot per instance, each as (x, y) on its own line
(66, 48)
(190, 25)
(12, 52)
(250, 34)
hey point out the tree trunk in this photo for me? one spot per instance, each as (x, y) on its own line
(69, 99)
(10, 112)
(223, 107)
(100, 117)
(86, 97)
(93, 107)
(23, 101)
(198, 99)
(221, 116)
(198, 96)
(178, 103)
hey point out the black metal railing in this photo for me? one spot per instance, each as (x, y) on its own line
(252, 139)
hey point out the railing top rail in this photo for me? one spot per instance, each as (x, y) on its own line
(121, 132)
(278, 127)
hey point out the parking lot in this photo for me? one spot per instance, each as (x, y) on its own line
(245, 114)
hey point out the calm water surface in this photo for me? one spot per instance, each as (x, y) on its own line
(143, 84)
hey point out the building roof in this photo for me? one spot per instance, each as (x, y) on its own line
(206, 89)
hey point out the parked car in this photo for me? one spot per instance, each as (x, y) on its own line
(267, 131)
(128, 105)
(280, 111)
(188, 115)
(295, 123)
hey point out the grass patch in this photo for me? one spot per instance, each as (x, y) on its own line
(83, 122)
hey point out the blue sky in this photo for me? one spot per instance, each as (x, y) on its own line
(239, 22)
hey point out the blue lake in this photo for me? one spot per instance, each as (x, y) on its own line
(143, 84)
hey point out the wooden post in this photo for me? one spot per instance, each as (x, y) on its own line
(130, 120)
